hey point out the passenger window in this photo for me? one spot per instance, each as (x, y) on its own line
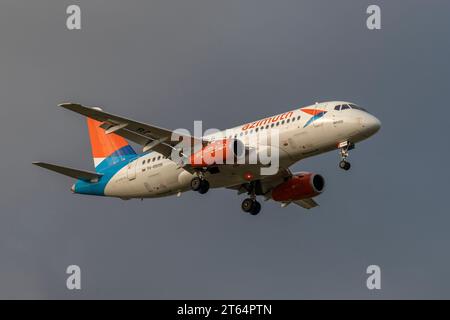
(153, 160)
(288, 120)
(282, 122)
(272, 125)
(298, 118)
(159, 157)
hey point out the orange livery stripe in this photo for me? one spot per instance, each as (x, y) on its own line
(103, 145)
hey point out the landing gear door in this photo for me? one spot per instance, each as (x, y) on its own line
(131, 170)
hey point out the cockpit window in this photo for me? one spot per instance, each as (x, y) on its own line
(348, 106)
(353, 106)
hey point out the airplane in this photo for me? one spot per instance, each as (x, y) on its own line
(304, 132)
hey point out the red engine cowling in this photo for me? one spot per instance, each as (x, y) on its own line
(217, 152)
(301, 186)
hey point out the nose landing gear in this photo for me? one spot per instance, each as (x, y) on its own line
(345, 147)
(344, 165)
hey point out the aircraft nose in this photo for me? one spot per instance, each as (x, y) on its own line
(371, 124)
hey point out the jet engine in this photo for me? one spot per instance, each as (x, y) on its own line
(300, 186)
(217, 152)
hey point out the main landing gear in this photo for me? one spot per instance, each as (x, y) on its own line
(200, 184)
(344, 148)
(251, 206)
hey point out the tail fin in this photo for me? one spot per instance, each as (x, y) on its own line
(107, 149)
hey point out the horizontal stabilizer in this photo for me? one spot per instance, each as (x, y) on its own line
(74, 173)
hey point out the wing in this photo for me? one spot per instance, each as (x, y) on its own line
(149, 136)
(265, 185)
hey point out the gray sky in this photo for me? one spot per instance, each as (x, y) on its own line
(226, 62)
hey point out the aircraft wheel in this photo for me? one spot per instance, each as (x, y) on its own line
(344, 165)
(247, 205)
(256, 208)
(196, 184)
(251, 206)
(204, 187)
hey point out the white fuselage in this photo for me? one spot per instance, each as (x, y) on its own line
(300, 136)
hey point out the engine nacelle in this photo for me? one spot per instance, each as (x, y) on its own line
(217, 152)
(303, 185)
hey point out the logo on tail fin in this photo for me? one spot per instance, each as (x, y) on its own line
(107, 149)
